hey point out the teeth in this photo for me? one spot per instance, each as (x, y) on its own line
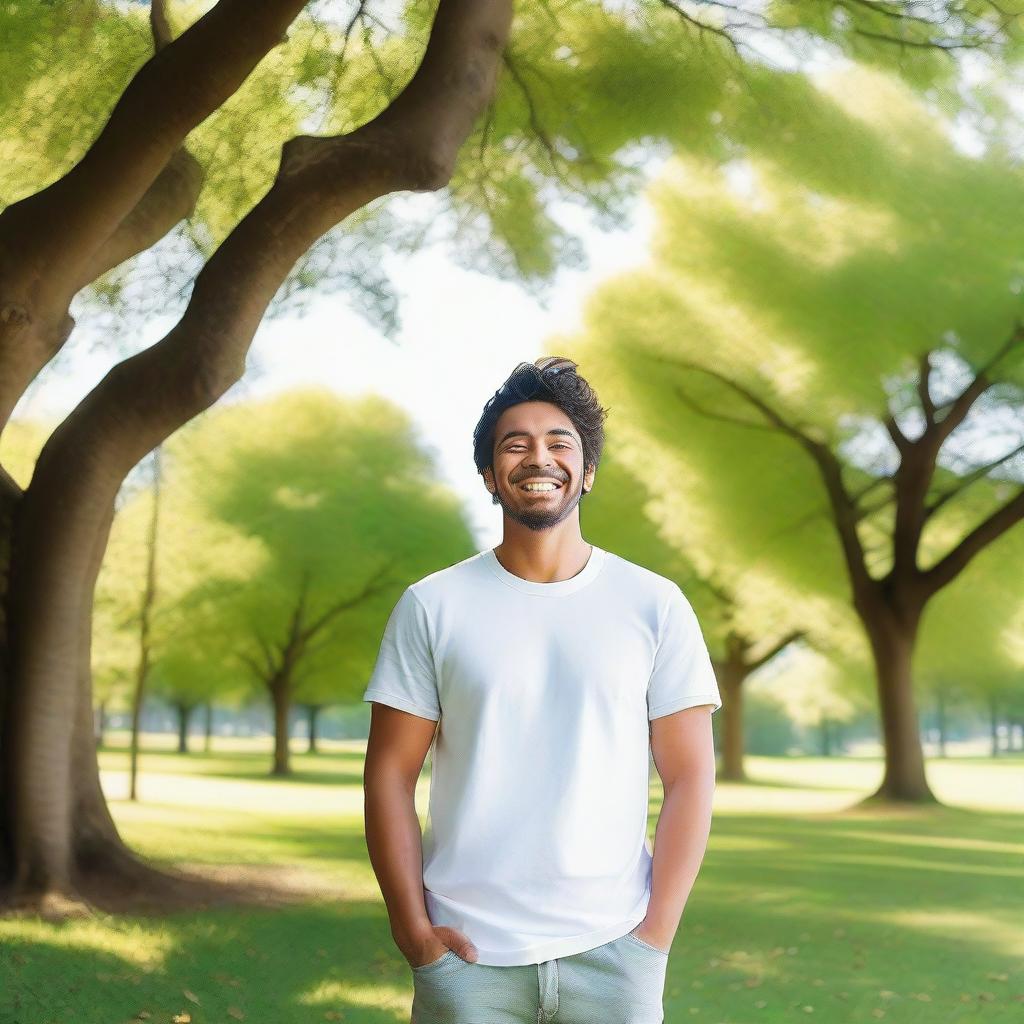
(540, 487)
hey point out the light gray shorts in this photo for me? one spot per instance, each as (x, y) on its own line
(620, 982)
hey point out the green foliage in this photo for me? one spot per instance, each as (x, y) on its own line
(812, 275)
(303, 490)
(589, 94)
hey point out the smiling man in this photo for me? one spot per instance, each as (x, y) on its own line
(544, 673)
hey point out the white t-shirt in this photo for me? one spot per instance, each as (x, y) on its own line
(536, 839)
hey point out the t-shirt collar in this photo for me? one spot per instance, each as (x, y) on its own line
(559, 588)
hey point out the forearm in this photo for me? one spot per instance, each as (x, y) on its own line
(680, 840)
(394, 844)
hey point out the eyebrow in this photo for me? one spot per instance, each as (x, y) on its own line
(526, 433)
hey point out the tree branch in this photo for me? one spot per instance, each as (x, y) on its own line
(171, 199)
(175, 90)
(531, 108)
(159, 25)
(701, 26)
(956, 411)
(949, 567)
(920, 457)
(128, 190)
(782, 644)
(923, 391)
(844, 510)
(969, 478)
(376, 585)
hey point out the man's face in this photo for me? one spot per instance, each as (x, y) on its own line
(536, 442)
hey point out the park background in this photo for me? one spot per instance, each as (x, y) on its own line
(749, 224)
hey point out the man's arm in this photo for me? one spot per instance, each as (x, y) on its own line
(684, 754)
(395, 752)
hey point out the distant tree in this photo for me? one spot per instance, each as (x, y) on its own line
(344, 509)
(748, 618)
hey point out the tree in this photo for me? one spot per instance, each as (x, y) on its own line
(344, 508)
(746, 622)
(830, 349)
(58, 838)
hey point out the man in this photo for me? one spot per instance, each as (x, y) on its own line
(550, 669)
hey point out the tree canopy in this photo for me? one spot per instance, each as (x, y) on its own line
(801, 286)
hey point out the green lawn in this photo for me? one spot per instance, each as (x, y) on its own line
(801, 911)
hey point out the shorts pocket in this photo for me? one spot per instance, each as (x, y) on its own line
(646, 945)
(436, 963)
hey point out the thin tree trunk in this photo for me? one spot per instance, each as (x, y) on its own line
(184, 717)
(731, 678)
(312, 712)
(145, 614)
(280, 695)
(993, 720)
(208, 727)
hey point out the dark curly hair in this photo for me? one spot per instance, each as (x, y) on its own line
(550, 379)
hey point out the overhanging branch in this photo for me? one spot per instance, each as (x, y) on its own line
(173, 92)
(170, 199)
(844, 510)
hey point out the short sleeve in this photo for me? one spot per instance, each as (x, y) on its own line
(403, 676)
(683, 675)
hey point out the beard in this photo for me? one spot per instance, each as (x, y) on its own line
(549, 511)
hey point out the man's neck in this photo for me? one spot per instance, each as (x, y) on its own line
(544, 564)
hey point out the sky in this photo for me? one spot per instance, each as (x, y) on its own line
(451, 317)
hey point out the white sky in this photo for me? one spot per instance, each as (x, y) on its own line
(449, 315)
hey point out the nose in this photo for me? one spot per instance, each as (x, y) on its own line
(538, 454)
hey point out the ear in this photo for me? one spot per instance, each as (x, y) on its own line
(588, 479)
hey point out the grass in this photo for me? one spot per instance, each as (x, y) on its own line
(801, 911)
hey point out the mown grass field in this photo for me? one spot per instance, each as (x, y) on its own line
(802, 911)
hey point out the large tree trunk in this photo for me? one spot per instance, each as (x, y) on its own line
(892, 645)
(57, 841)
